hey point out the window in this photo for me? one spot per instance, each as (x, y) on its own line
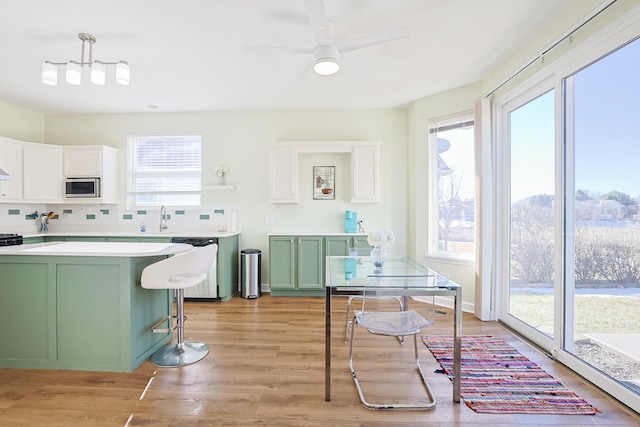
(452, 219)
(164, 170)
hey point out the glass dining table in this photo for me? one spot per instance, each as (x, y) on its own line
(346, 275)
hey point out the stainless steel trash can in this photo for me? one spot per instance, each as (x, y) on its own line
(250, 273)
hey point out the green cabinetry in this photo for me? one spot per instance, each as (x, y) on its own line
(78, 312)
(346, 245)
(297, 262)
(227, 267)
(296, 265)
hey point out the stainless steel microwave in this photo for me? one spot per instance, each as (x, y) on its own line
(88, 188)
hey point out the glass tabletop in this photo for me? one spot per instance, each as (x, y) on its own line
(401, 272)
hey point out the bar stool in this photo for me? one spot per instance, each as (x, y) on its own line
(179, 272)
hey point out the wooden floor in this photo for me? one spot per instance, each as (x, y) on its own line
(266, 367)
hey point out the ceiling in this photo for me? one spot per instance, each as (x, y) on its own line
(192, 55)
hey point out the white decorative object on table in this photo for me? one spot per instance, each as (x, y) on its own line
(380, 240)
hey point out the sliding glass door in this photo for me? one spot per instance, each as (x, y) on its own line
(571, 209)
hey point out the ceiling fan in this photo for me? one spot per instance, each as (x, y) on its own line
(326, 55)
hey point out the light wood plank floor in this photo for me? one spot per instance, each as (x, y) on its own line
(266, 367)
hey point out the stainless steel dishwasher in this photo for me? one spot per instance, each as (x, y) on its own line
(208, 289)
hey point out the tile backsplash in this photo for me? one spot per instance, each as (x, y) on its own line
(21, 218)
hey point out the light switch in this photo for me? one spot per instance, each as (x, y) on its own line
(269, 220)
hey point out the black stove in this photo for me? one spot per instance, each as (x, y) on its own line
(10, 239)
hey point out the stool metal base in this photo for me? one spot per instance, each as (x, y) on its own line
(180, 354)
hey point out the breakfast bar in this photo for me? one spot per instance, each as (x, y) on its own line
(80, 306)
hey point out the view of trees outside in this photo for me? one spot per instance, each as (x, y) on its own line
(532, 231)
(456, 198)
(602, 312)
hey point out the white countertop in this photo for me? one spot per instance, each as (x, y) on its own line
(312, 233)
(101, 249)
(133, 234)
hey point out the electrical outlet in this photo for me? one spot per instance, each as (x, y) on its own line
(269, 220)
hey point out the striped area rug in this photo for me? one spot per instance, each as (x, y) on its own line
(498, 379)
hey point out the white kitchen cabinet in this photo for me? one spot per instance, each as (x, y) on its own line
(11, 163)
(283, 175)
(93, 161)
(42, 173)
(364, 169)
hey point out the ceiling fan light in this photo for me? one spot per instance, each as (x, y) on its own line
(98, 73)
(123, 74)
(74, 73)
(326, 60)
(326, 66)
(49, 73)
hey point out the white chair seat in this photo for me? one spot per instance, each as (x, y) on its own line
(180, 271)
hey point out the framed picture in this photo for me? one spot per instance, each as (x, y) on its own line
(324, 183)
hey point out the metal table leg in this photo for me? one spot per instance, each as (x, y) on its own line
(327, 345)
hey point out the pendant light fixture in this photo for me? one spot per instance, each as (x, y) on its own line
(73, 74)
(326, 60)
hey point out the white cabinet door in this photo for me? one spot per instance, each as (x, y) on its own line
(11, 163)
(283, 175)
(42, 173)
(364, 167)
(83, 162)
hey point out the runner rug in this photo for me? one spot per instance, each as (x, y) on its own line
(497, 379)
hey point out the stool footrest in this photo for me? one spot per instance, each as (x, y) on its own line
(157, 330)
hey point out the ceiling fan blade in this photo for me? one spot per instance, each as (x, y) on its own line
(371, 39)
(276, 49)
(318, 20)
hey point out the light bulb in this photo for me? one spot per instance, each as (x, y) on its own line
(74, 73)
(326, 67)
(49, 74)
(123, 74)
(98, 73)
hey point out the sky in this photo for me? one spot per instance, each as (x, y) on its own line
(607, 131)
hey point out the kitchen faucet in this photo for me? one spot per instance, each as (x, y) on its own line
(163, 217)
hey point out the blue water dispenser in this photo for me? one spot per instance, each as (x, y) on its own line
(350, 222)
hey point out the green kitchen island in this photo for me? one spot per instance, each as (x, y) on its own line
(80, 306)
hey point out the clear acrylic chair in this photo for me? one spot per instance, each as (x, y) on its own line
(359, 252)
(393, 324)
(349, 322)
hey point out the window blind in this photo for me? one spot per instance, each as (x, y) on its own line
(164, 170)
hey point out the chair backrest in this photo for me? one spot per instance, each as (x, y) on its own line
(372, 283)
(180, 271)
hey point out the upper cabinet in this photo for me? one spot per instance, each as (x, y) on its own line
(42, 173)
(11, 163)
(364, 168)
(35, 172)
(93, 161)
(284, 174)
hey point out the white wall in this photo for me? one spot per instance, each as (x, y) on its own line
(241, 141)
(21, 124)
